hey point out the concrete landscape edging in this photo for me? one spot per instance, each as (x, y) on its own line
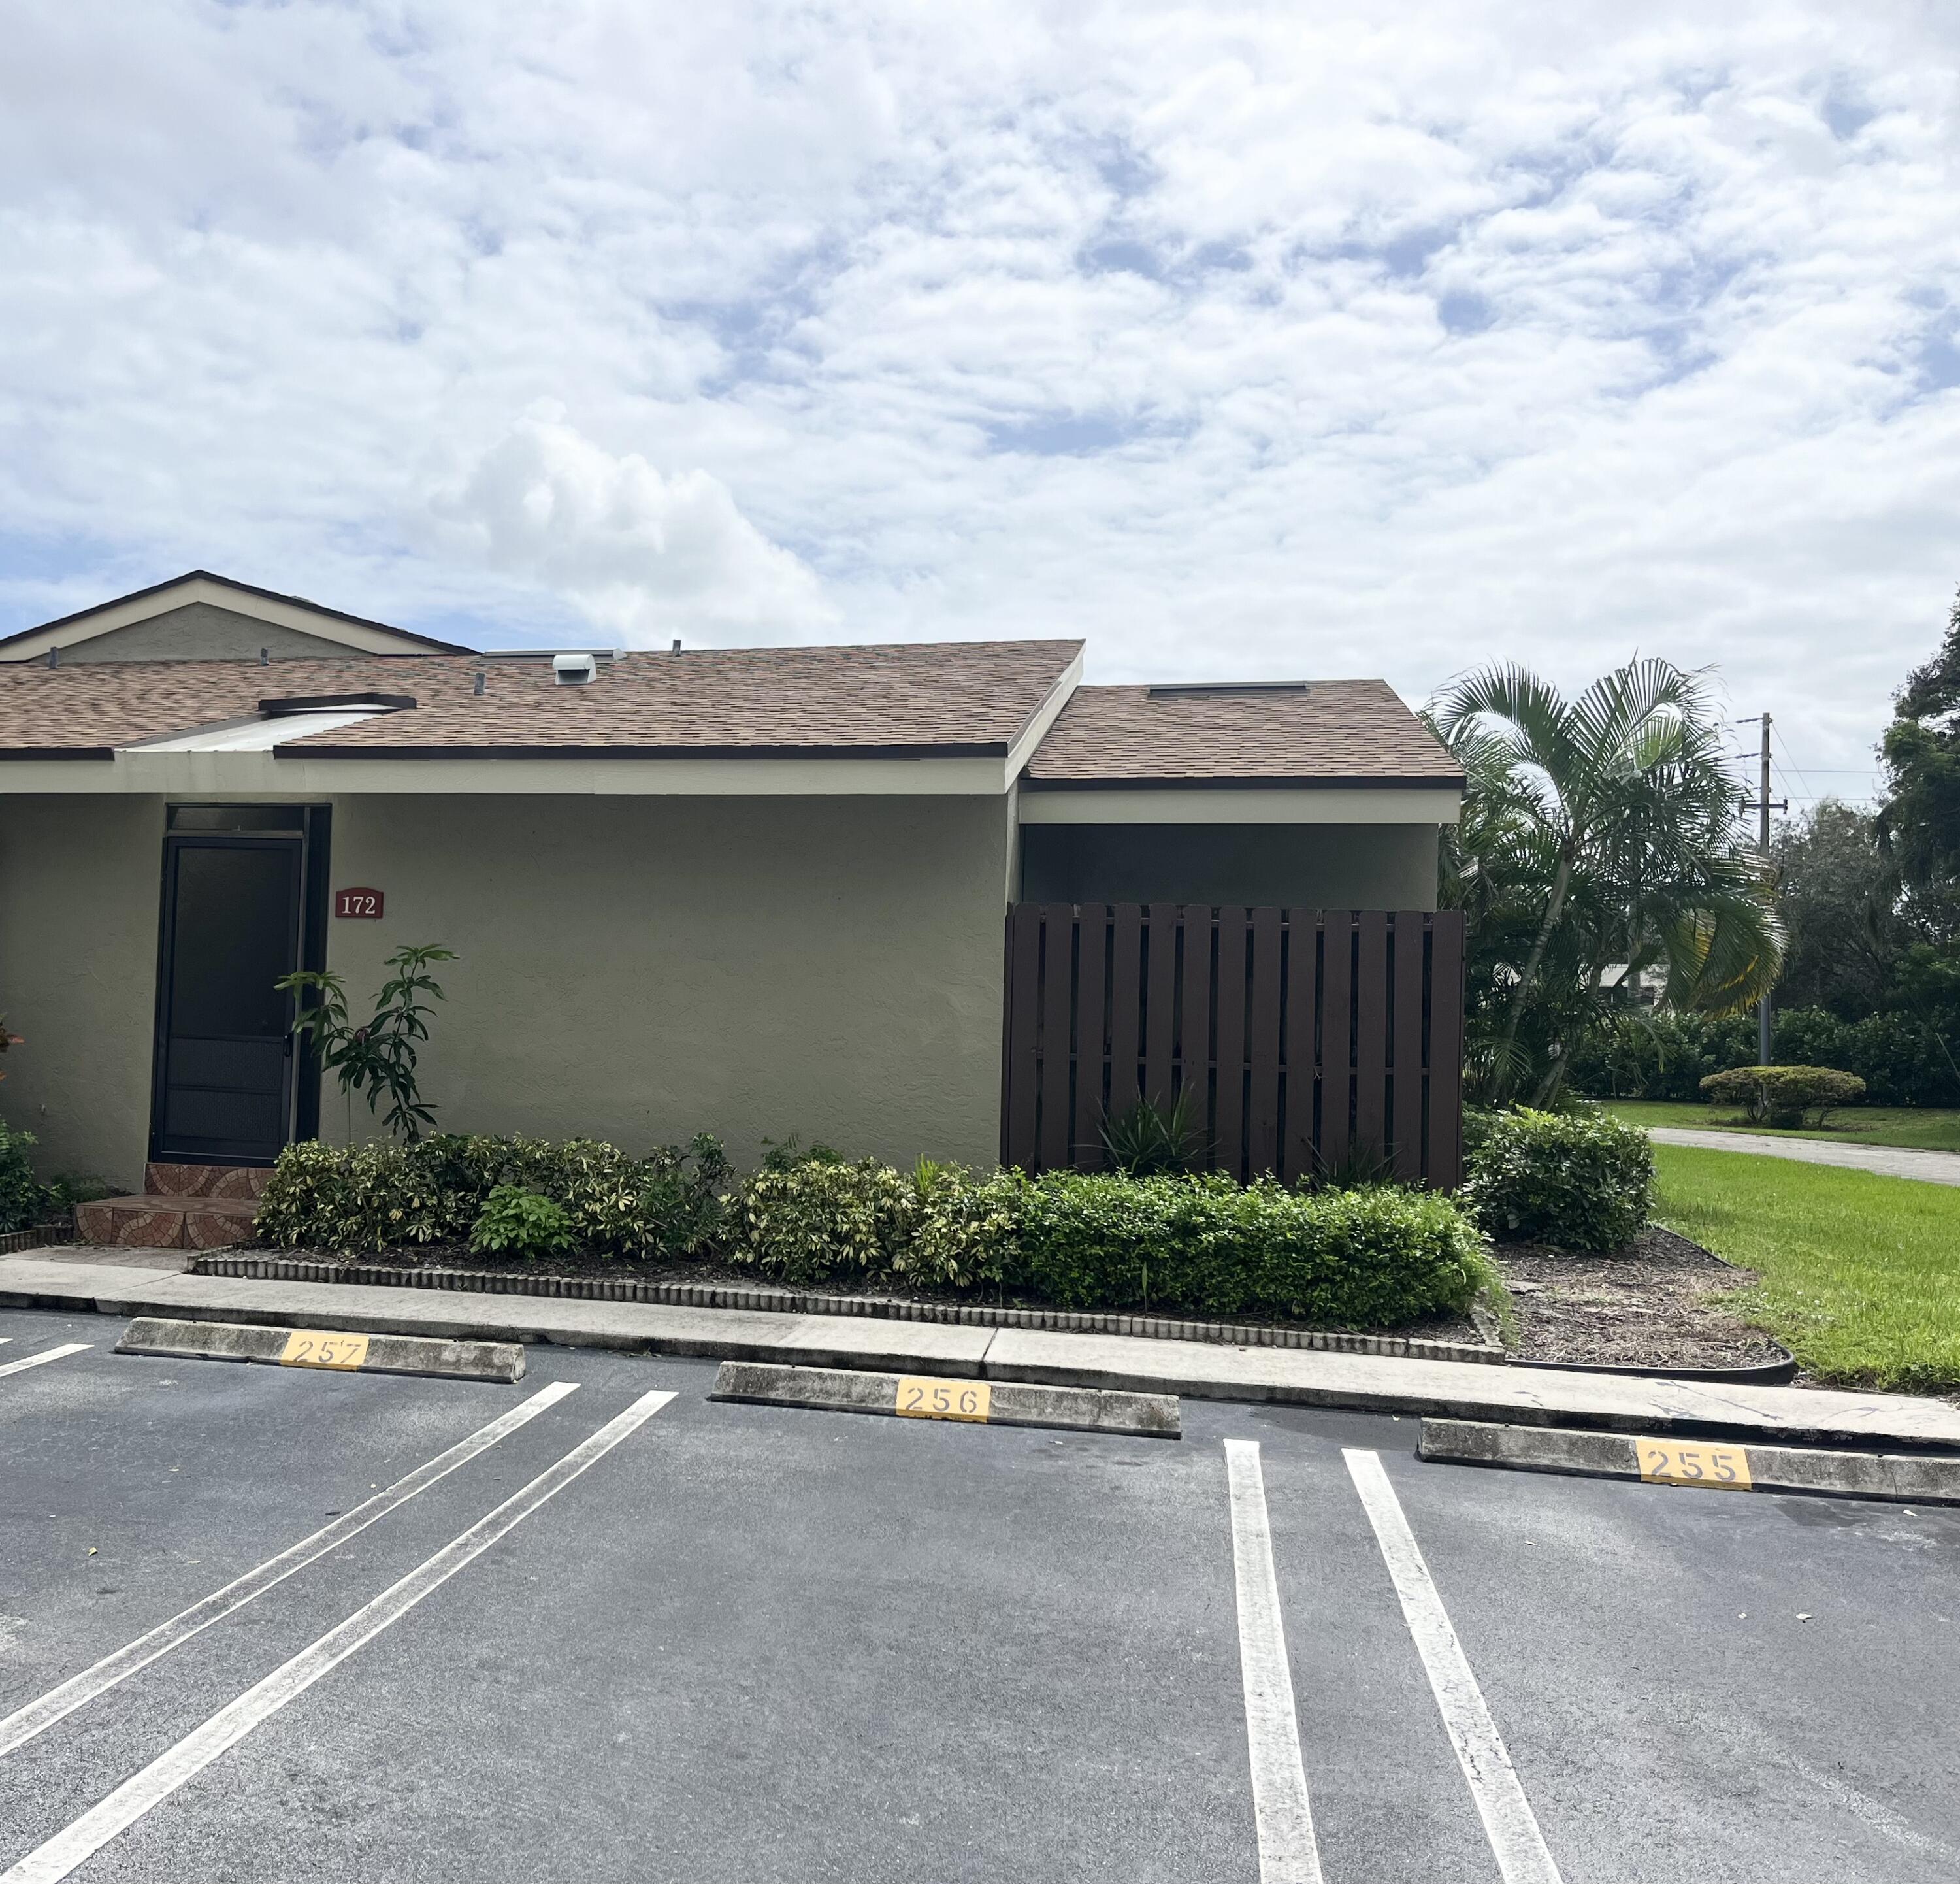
(498, 1360)
(999, 1403)
(258, 1267)
(1895, 1478)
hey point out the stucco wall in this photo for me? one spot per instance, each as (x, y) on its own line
(642, 968)
(1300, 866)
(201, 630)
(80, 880)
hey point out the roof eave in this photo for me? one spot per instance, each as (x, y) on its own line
(1323, 782)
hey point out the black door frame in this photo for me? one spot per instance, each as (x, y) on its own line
(312, 838)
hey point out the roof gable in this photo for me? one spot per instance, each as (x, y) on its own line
(198, 615)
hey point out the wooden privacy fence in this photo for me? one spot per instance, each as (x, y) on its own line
(1307, 1040)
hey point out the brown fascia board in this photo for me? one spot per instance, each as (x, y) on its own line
(1321, 781)
(305, 748)
(244, 588)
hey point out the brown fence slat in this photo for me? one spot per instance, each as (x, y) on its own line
(1337, 1022)
(1301, 965)
(1092, 956)
(1058, 1017)
(1025, 980)
(1262, 1108)
(1161, 1003)
(1229, 1113)
(1371, 1033)
(1445, 1049)
(1407, 1051)
(1194, 1026)
(1126, 962)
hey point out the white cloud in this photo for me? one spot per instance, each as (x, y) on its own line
(645, 556)
(1242, 339)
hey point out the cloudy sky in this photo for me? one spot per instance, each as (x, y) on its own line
(1307, 340)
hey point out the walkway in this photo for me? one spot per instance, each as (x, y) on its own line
(1930, 1167)
(1194, 1369)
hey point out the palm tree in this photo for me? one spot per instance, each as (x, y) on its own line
(1597, 832)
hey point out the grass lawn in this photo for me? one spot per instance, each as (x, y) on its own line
(1859, 1274)
(1924, 1128)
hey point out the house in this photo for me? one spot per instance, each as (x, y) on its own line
(760, 891)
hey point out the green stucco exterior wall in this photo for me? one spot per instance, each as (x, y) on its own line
(80, 884)
(641, 968)
(637, 969)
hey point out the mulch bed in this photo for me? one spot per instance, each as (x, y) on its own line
(1653, 1304)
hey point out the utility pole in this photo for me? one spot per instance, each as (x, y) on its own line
(1763, 807)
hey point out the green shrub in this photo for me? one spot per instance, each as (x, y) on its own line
(516, 1222)
(1782, 1095)
(24, 1198)
(1151, 1140)
(1578, 1181)
(1363, 1258)
(375, 1197)
(965, 1234)
(820, 1219)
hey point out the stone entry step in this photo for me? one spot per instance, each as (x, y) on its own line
(181, 1206)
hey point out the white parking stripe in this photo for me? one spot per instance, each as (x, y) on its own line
(1509, 1821)
(37, 1716)
(1281, 1811)
(48, 1354)
(74, 1846)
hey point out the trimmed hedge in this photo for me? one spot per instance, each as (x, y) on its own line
(1375, 1258)
(1581, 1181)
(1781, 1095)
(1378, 1257)
(374, 1197)
(821, 1219)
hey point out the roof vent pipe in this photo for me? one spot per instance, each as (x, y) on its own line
(574, 671)
(478, 687)
(677, 644)
(265, 657)
(54, 656)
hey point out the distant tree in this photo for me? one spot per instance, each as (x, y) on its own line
(1919, 824)
(1599, 834)
(1838, 894)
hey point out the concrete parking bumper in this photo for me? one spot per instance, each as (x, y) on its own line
(933, 1397)
(334, 1349)
(1713, 1464)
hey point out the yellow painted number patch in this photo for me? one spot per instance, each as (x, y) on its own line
(306, 1349)
(1666, 1462)
(944, 1399)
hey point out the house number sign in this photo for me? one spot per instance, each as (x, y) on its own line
(356, 902)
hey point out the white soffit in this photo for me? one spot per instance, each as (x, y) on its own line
(1333, 804)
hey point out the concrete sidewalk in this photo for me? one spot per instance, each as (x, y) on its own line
(1463, 1390)
(1929, 1167)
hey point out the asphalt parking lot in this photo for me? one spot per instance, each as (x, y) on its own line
(748, 1643)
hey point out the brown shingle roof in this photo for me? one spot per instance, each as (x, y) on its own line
(943, 697)
(1332, 733)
